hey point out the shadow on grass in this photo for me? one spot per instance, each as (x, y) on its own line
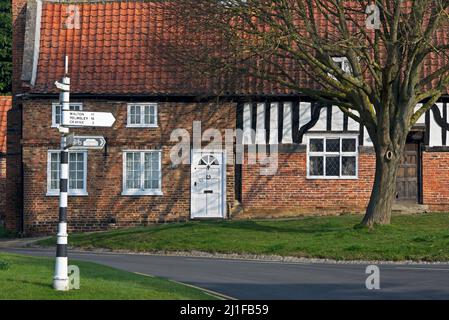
(34, 283)
(290, 227)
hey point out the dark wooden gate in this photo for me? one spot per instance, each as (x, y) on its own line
(407, 180)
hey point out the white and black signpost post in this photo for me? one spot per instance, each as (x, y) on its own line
(61, 279)
(72, 119)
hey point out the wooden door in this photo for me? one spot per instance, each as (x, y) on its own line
(407, 179)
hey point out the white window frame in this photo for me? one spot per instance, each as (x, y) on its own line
(71, 192)
(142, 116)
(53, 111)
(324, 153)
(141, 192)
(345, 65)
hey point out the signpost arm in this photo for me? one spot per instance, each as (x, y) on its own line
(61, 279)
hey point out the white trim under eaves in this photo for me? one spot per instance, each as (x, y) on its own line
(37, 41)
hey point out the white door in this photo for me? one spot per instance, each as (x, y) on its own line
(208, 184)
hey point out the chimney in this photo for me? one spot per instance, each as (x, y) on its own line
(18, 36)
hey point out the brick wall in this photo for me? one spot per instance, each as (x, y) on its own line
(13, 193)
(436, 180)
(9, 163)
(104, 182)
(290, 193)
(5, 106)
(13, 202)
(2, 188)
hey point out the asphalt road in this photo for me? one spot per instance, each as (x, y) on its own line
(247, 279)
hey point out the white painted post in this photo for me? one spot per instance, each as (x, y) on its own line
(247, 130)
(260, 124)
(274, 131)
(61, 279)
(287, 123)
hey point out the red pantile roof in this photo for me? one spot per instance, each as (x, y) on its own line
(5, 106)
(120, 49)
(117, 49)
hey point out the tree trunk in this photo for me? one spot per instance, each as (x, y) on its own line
(384, 190)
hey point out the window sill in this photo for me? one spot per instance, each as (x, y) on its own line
(331, 178)
(142, 126)
(71, 194)
(142, 193)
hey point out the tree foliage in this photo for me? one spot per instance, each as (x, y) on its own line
(5, 47)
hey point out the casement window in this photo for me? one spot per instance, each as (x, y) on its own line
(56, 112)
(77, 173)
(343, 63)
(332, 157)
(142, 173)
(142, 115)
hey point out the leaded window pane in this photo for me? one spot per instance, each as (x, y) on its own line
(332, 166)
(348, 166)
(316, 166)
(316, 145)
(348, 145)
(332, 145)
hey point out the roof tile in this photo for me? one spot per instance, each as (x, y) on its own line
(119, 48)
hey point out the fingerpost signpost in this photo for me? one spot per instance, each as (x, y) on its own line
(70, 119)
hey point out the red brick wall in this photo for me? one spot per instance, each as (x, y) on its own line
(13, 202)
(104, 182)
(13, 193)
(10, 163)
(5, 106)
(2, 188)
(289, 192)
(436, 180)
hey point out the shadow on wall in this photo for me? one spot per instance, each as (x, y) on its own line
(10, 178)
(105, 207)
(13, 167)
(2, 189)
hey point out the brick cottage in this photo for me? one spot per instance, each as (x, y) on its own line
(325, 160)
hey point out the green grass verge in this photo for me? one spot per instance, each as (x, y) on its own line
(24, 277)
(416, 237)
